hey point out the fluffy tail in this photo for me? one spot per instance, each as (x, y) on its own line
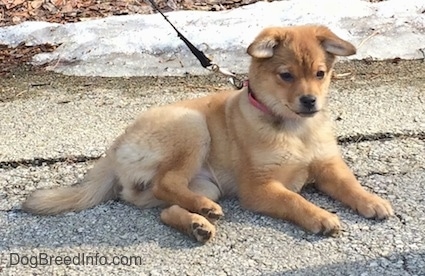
(99, 185)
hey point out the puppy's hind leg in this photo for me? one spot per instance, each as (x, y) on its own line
(201, 184)
(186, 154)
(193, 224)
(201, 228)
(166, 149)
(173, 188)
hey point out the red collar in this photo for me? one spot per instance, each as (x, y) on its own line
(257, 104)
(262, 107)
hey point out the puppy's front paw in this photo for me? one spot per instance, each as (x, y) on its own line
(327, 224)
(373, 206)
(202, 229)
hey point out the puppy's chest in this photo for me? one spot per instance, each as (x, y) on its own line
(288, 151)
(288, 161)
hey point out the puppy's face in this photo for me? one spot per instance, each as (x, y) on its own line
(291, 68)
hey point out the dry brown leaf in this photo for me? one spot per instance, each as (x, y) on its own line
(18, 2)
(57, 3)
(12, 3)
(67, 8)
(33, 13)
(19, 17)
(36, 4)
(83, 4)
(50, 7)
(16, 20)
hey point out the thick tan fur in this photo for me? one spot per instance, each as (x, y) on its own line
(187, 155)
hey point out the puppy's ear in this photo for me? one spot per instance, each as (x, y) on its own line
(333, 44)
(263, 45)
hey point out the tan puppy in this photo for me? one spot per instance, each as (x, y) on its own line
(262, 143)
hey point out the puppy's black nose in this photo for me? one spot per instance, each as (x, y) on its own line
(308, 101)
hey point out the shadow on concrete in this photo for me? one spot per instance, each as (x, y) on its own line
(397, 264)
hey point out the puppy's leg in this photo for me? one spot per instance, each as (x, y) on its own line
(194, 224)
(183, 162)
(273, 199)
(202, 186)
(173, 188)
(335, 179)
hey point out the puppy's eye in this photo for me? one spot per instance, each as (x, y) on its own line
(286, 76)
(320, 74)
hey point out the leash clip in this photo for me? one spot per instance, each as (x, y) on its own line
(235, 81)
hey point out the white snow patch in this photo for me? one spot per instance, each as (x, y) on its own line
(137, 45)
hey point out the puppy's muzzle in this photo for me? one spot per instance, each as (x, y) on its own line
(307, 105)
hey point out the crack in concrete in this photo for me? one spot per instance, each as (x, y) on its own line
(373, 173)
(383, 136)
(72, 159)
(40, 161)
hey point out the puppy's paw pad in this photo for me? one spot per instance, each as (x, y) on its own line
(202, 232)
(375, 207)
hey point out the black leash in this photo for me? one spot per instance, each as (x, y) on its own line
(203, 59)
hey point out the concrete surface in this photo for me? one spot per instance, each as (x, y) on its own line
(77, 120)
(143, 45)
(52, 127)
